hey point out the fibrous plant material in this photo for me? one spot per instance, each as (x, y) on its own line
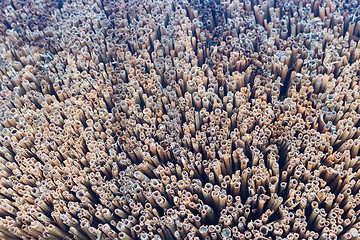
(204, 119)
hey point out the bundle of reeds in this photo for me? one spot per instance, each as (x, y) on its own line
(164, 119)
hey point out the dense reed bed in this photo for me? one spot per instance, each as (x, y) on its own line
(204, 119)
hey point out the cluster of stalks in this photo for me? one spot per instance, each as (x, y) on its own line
(174, 119)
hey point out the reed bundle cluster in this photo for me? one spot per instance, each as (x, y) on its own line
(164, 119)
